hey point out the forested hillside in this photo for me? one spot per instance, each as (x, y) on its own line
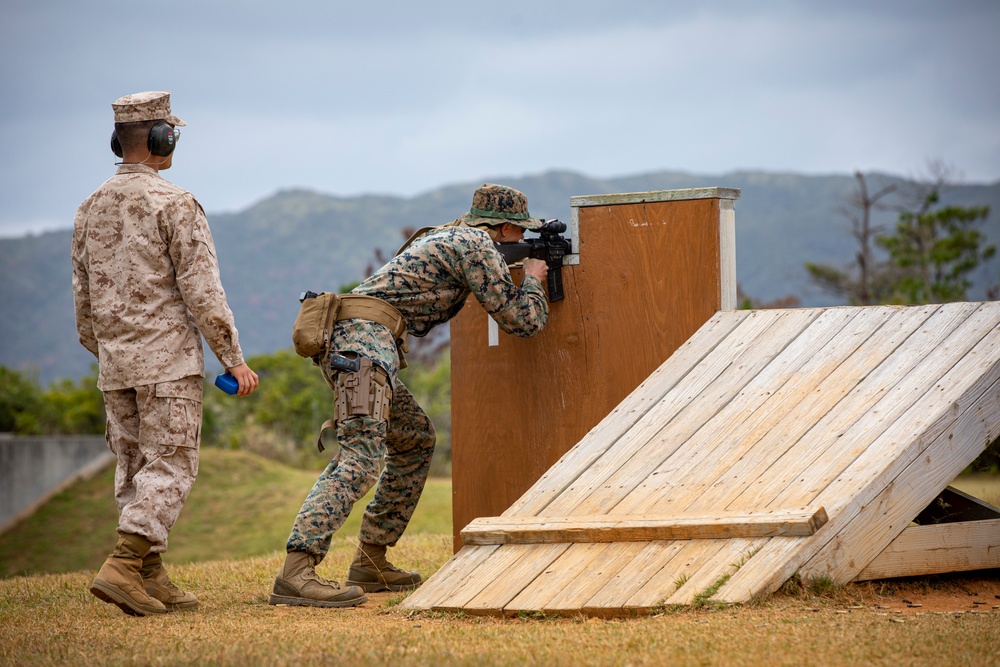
(297, 240)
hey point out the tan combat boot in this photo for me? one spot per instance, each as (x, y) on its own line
(119, 581)
(298, 585)
(158, 585)
(372, 572)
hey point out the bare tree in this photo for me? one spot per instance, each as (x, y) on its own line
(866, 281)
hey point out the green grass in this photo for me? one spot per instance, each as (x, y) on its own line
(242, 505)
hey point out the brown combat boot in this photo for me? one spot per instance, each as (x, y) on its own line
(298, 585)
(158, 585)
(372, 572)
(119, 581)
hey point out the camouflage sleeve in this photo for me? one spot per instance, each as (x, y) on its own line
(522, 311)
(81, 290)
(192, 252)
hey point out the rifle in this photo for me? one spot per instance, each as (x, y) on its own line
(550, 247)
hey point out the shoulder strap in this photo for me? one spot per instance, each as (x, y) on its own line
(458, 222)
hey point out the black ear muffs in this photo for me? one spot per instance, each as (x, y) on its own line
(116, 146)
(161, 142)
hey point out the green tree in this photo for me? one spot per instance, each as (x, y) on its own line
(281, 419)
(20, 403)
(66, 407)
(936, 250)
(74, 407)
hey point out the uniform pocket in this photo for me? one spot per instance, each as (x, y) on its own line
(174, 414)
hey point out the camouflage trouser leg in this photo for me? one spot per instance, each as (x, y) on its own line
(409, 446)
(154, 432)
(341, 485)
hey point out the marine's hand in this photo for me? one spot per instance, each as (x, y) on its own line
(537, 268)
(247, 379)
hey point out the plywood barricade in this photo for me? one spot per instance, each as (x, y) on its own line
(647, 270)
(772, 443)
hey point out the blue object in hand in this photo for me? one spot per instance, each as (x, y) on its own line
(227, 383)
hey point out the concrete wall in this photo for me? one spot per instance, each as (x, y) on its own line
(32, 469)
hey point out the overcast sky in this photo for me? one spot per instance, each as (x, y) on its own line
(401, 97)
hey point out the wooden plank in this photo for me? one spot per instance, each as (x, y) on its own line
(475, 579)
(890, 389)
(528, 566)
(728, 560)
(924, 433)
(674, 575)
(633, 408)
(682, 412)
(642, 527)
(452, 574)
(580, 201)
(879, 522)
(946, 547)
(557, 576)
(753, 465)
(745, 431)
(727, 255)
(775, 562)
(579, 571)
(637, 432)
(619, 588)
(592, 578)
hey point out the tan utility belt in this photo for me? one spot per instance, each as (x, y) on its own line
(363, 307)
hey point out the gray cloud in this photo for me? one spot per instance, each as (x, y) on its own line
(402, 97)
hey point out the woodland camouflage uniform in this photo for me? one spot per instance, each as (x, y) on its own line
(428, 282)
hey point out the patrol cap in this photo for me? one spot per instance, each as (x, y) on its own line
(495, 204)
(151, 105)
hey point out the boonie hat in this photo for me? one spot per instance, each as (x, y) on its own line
(151, 105)
(495, 204)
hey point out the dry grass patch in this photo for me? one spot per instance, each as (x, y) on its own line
(53, 620)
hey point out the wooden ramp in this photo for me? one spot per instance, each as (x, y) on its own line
(771, 443)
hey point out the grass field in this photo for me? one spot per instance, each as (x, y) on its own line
(242, 505)
(228, 546)
(53, 620)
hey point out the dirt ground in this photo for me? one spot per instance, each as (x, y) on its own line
(974, 592)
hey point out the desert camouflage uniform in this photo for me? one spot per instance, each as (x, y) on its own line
(428, 283)
(146, 287)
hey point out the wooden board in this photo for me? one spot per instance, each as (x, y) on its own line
(945, 547)
(642, 527)
(648, 277)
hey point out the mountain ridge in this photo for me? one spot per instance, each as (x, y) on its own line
(298, 239)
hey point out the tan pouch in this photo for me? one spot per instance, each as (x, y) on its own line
(313, 328)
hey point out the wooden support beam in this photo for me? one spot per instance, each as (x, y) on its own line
(943, 547)
(642, 527)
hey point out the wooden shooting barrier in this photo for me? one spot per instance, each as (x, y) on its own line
(647, 270)
(715, 452)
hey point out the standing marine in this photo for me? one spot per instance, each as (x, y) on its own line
(146, 288)
(424, 285)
